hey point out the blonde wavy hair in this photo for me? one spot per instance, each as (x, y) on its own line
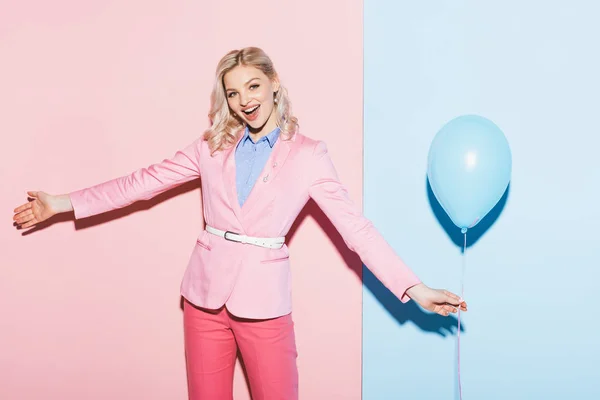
(225, 125)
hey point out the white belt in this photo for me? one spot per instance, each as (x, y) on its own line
(270, 243)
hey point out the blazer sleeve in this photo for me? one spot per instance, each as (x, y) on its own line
(357, 231)
(141, 184)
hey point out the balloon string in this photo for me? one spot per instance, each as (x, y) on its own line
(462, 293)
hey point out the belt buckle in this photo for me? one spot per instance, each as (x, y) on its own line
(231, 240)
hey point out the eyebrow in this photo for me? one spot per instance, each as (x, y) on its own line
(228, 90)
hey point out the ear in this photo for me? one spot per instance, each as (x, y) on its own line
(276, 84)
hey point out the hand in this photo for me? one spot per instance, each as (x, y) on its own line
(42, 207)
(438, 301)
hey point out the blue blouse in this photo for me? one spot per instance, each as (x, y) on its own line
(250, 160)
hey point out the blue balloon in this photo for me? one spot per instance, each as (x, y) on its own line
(469, 168)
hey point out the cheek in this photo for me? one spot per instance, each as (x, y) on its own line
(265, 96)
(268, 104)
(232, 105)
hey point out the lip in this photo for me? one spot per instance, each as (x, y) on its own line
(253, 117)
(249, 107)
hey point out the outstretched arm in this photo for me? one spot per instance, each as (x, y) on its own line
(363, 238)
(142, 184)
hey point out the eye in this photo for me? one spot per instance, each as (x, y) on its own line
(230, 95)
(254, 87)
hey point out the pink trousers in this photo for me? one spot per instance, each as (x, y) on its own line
(267, 348)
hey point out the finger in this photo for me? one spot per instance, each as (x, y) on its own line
(441, 310)
(452, 298)
(19, 216)
(450, 309)
(451, 295)
(23, 207)
(24, 216)
(33, 194)
(30, 223)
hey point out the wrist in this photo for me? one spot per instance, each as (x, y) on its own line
(62, 203)
(414, 290)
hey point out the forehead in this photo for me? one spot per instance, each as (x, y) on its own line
(241, 74)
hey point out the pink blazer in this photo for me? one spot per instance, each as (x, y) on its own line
(253, 282)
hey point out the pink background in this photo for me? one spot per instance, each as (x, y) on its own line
(95, 90)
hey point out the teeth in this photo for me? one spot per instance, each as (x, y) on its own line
(248, 111)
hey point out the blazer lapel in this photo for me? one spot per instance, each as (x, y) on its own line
(229, 177)
(274, 164)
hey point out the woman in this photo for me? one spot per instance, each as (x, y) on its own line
(257, 174)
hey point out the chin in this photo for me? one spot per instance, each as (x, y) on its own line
(253, 124)
(256, 124)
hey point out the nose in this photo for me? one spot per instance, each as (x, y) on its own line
(244, 99)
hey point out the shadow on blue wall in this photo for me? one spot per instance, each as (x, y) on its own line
(403, 312)
(474, 233)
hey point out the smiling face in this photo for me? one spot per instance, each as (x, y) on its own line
(250, 95)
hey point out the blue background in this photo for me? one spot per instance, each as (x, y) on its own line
(533, 265)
